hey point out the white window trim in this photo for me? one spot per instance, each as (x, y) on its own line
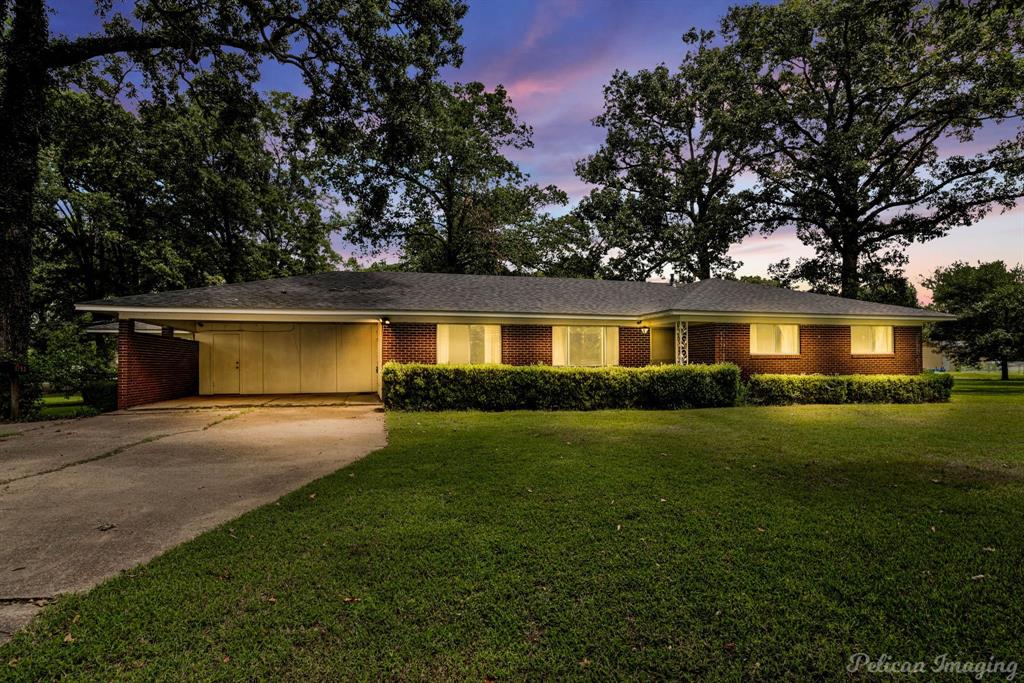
(892, 342)
(560, 346)
(492, 343)
(793, 354)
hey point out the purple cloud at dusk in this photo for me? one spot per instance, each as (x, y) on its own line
(554, 57)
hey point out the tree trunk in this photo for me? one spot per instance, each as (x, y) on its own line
(703, 267)
(21, 120)
(1004, 369)
(849, 277)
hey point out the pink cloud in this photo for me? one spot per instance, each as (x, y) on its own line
(549, 16)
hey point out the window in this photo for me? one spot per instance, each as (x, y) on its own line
(589, 346)
(768, 339)
(468, 344)
(871, 339)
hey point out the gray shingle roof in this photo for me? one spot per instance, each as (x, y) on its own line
(393, 292)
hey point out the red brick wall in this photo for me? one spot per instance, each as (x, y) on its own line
(520, 344)
(526, 344)
(154, 367)
(824, 349)
(634, 347)
(409, 342)
(701, 343)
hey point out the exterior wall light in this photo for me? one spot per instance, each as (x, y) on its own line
(645, 330)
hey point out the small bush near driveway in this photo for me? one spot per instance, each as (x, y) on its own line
(100, 394)
(539, 387)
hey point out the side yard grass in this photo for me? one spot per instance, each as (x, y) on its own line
(59, 406)
(767, 543)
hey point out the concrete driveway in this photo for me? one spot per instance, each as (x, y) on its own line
(82, 500)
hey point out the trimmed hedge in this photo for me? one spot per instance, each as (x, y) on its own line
(778, 390)
(100, 394)
(416, 386)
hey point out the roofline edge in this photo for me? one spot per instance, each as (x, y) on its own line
(156, 311)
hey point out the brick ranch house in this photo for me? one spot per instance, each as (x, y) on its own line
(332, 332)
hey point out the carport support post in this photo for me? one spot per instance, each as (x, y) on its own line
(682, 342)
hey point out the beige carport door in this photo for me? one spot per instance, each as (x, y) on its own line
(287, 358)
(280, 361)
(224, 363)
(319, 363)
(357, 358)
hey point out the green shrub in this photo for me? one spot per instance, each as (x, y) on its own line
(925, 388)
(100, 394)
(540, 387)
(66, 358)
(789, 389)
(781, 390)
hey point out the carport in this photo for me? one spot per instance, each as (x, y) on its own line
(271, 356)
(286, 358)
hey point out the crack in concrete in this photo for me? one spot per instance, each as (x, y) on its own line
(123, 448)
(24, 600)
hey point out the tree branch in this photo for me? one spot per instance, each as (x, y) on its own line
(64, 53)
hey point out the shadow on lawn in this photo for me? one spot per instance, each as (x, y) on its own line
(985, 385)
(900, 488)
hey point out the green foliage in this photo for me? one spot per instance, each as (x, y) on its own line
(667, 170)
(448, 199)
(763, 281)
(214, 185)
(540, 387)
(359, 62)
(881, 281)
(797, 389)
(573, 245)
(100, 394)
(895, 290)
(66, 358)
(853, 98)
(988, 300)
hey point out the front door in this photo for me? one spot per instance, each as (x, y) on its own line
(224, 362)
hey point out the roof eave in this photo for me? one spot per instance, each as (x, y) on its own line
(198, 312)
(700, 315)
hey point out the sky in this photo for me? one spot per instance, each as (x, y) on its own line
(554, 57)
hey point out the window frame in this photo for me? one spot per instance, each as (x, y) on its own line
(495, 337)
(892, 341)
(602, 334)
(561, 341)
(780, 354)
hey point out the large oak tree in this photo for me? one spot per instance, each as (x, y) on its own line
(668, 170)
(449, 199)
(856, 100)
(352, 55)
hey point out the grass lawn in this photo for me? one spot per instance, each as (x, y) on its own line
(58, 406)
(730, 543)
